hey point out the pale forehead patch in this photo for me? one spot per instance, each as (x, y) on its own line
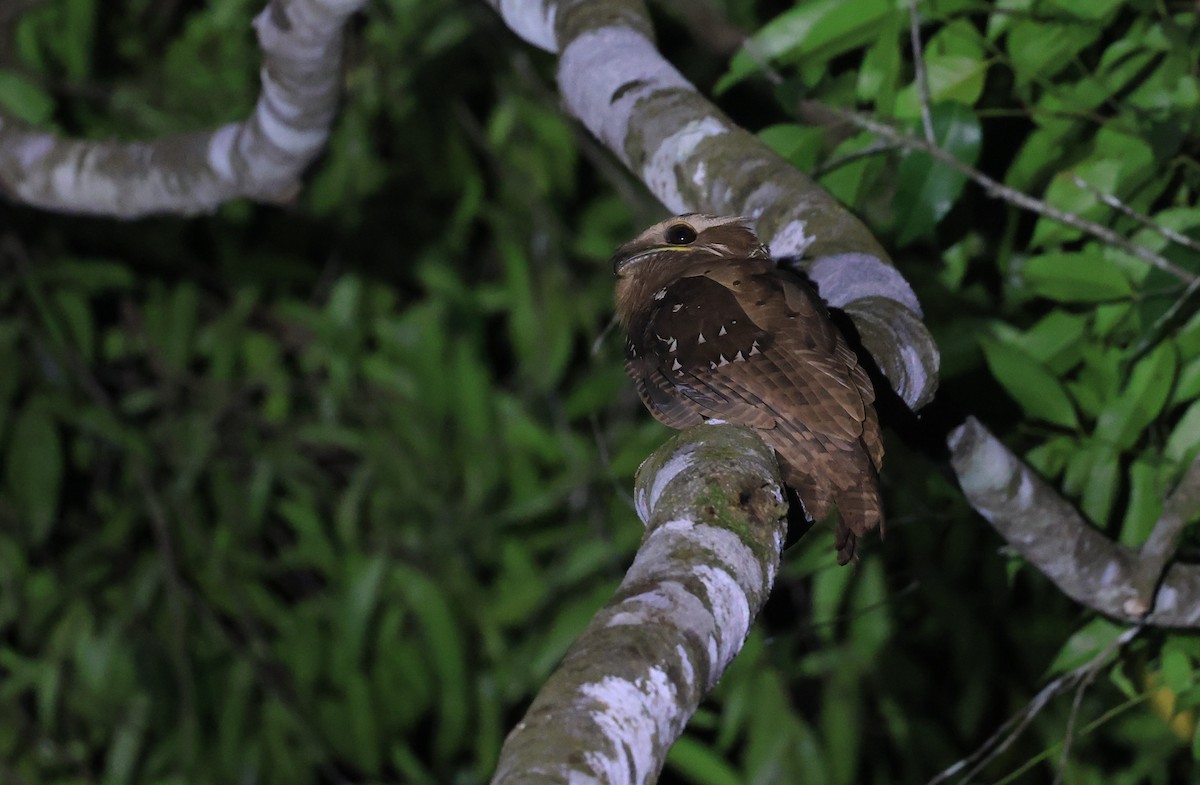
(698, 221)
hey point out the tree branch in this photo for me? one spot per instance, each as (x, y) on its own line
(713, 510)
(1000, 191)
(692, 157)
(1049, 533)
(261, 157)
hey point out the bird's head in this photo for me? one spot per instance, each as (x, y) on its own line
(674, 248)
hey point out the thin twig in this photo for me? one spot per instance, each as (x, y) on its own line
(1168, 316)
(1145, 220)
(1007, 733)
(1069, 735)
(833, 164)
(914, 34)
(1001, 191)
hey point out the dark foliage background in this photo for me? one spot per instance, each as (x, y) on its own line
(320, 492)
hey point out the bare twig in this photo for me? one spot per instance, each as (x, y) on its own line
(822, 169)
(1145, 220)
(1073, 716)
(1001, 191)
(914, 34)
(1012, 728)
(1168, 316)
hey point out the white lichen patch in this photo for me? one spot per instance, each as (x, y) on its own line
(1168, 599)
(533, 21)
(663, 167)
(604, 73)
(1025, 490)
(31, 149)
(986, 469)
(647, 499)
(915, 377)
(291, 139)
(790, 240)
(636, 717)
(687, 673)
(844, 278)
(731, 610)
(668, 602)
(1112, 571)
(220, 151)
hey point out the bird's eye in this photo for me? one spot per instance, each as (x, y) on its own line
(680, 234)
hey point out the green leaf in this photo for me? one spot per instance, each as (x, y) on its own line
(75, 37)
(1056, 340)
(1038, 49)
(344, 302)
(1085, 645)
(800, 145)
(446, 652)
(1142, 399)
(880, 69)
(956, 65)
(1184, 441)
(1079, 277)
(927, 189)
(1145, 502)
(1117, 166)
(1178, 674)
(34, 469)
(817, 30)
(24, 99)
(1038, 392)
(697, 763)
(1101, 485)
(74, 312)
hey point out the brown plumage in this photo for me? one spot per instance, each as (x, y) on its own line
(716, 332)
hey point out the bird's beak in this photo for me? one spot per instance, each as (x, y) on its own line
(625, 258)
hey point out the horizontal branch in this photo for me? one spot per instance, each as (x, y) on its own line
(1052, 536)
(262, 157)
(713, 508)
(694, 158)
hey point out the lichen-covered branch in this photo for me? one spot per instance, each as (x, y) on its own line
(261, 157)
(713, 510)
(1049, 533)
(693, 158)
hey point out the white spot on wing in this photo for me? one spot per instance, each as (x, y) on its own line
(701, 339)
(723, 331)
(661, 293)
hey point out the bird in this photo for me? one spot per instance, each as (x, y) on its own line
(718, 333)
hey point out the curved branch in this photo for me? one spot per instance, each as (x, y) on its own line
(713, 509)
(1054, 537)
(692, 157)
(261, 157)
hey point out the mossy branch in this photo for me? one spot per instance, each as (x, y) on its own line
(712, 504)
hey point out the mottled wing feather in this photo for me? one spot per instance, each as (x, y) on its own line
(742, 344)
(700, 338)
(659, 395)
